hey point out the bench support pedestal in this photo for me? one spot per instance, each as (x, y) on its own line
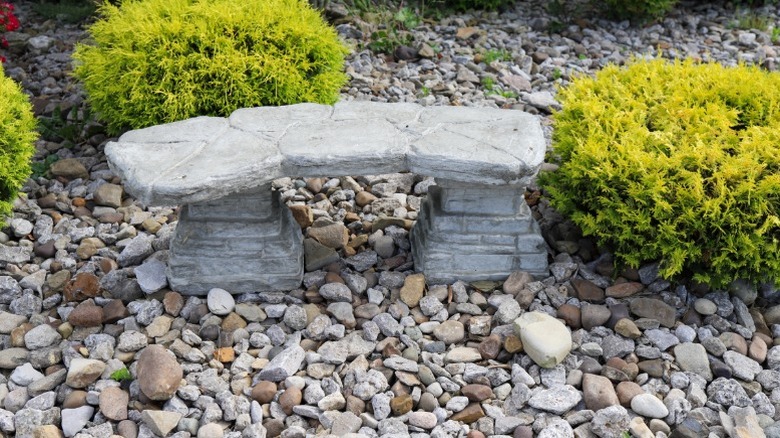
(244, 242)
(472, 232)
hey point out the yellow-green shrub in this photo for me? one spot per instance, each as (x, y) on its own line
(17, 141)
(157, 61)
(677, 162)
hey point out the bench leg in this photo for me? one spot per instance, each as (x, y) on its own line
(244, 242)
(474, 232)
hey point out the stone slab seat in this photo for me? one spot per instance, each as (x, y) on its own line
(483, 158)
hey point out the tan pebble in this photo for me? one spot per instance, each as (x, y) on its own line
(264, 391)
(47, 431)
(626, 327)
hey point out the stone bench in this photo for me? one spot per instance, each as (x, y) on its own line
(234, 234)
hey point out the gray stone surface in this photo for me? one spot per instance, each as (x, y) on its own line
(244, 242)
(196, 159)
(232, 233)
(470, 232)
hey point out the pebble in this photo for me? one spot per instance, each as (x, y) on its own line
(159, 373)
(220, 302)
(649, 406)
(545, 339)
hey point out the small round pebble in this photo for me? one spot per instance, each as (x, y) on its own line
(220, 301)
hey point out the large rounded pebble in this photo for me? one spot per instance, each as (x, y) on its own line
(648, 405)
(82, 372)
(423, 420)
(545, 339)
(450, 332)
(210, 430)
(159, 373)
(264, 391)
(705, 306)
(220, 301)
(113, 403)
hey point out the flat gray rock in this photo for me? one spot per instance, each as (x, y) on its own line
(207, 158)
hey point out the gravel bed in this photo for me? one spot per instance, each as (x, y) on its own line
(365, 347)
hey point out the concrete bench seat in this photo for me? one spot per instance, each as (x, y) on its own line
(220, 170)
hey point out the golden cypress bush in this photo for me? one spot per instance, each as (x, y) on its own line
(158, 61)
(677, 162)
(17, 141)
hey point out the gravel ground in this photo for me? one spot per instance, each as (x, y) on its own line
(365, 346)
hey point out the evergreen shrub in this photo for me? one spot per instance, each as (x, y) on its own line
(17, 141)
(677, 162)
(158, 61)
(647, 9)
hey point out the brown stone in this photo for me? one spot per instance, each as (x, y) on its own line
(17, 334)
(47, 431)
(69, 168)
(264, 392)
(290, 398)
(735, 342)
(334, 236)
(624, 290)
(86, 314)
(151, 225)
(413, 289)
(113, 311)
(757, 349)
(470, 414)
(653, 367)
(475, 434)
(570, 314)
(594, 315)
(625, 327)
(513, 344)
(490, 347)
(233, 321)
(598, 392)
(302, 214)
(355, 405)
(364, 198)
(626, 391)
(75, 399)
(84, 285)
(113, 403)
(333, 277)
(587, 291)
(401, 404)
(225, 354)
(173, 302)
(464, 33)
(516, 282)
(159, 373)
(476, 393)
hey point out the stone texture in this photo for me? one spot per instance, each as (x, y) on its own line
(545, 339)
(82, 372)
(283, 365)
(450, 243)
(483, 158)
(159, 373)
(226, 243)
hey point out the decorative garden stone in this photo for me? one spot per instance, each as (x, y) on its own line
(234, 234)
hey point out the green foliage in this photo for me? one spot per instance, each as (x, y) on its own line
(158, 61)
(68, 11)
(641, 9)
(677, 162)
(393, 28)
(497, 55)
(747, 19)
(487, 5)
(69, 127)
(41, 168)
(17, 141)
(121, 374)
(491, 87)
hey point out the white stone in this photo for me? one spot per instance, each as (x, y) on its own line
(648, 405)
(73, 420)
(220, 301)
(25, 374)
(545, 339)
